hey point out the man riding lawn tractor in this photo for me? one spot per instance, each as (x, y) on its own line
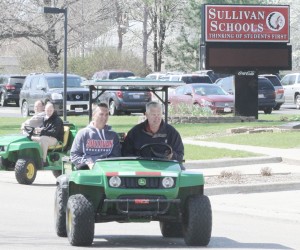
(150, 186)
(21, 154)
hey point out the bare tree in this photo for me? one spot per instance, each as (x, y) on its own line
(45, 30)
(164, 15)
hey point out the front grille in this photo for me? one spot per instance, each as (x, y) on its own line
(79, 96)
(132, 182)
(224, 104)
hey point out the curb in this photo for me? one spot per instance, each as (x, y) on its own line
(219, 163)
(253, 188)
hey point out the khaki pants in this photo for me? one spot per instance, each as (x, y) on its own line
(45, 142)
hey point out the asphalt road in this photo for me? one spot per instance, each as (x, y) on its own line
(240, 221)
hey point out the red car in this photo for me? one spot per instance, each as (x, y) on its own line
(204, 95)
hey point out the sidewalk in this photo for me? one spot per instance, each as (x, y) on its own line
(281, 161)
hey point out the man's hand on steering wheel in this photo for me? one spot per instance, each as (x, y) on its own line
(29, 130)
(157, 150)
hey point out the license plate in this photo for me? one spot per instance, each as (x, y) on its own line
(261, 96)
(227, 109)
(79, 110)
(135, 96)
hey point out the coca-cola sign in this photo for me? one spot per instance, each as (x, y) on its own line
(246, 23)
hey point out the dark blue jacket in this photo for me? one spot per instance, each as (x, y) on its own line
(138, 136)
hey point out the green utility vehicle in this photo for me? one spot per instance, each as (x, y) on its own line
(20, 154)
(134, 189)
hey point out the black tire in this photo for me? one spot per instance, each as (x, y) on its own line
(25, 109)
(25, 171)
(112, 108)
(268, 111)
(197, 221)
(277, 107)
(171, 229)
(56, 173)
(3, 102)
(60, 204)
(17, 103)
(80, 221)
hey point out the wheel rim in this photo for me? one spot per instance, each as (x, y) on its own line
(24, 109)
(112, 108)
(298, 102)
(30, 171)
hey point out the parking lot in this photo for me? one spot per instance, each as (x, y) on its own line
(12, 111)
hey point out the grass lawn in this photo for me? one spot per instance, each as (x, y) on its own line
(208, 131)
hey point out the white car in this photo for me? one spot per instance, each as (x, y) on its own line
(291, 85)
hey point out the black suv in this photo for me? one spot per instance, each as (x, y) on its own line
(10, 86)
(49, 87)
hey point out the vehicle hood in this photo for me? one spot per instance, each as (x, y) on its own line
(8, 139)
(126, 166)
(69, 90)
(219, 98)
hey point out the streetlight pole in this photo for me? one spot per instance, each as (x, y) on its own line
(53, 10)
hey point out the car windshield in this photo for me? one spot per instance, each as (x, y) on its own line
(57, 82)
(15, 80)
(209, 90)
(115, 75)
(133, 87)
(274, 79)
(196, 79)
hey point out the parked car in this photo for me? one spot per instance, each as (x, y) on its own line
(280, 97)
(214, 76)
(10, 86)
(126, 101)
(155, 75)
(266, 95)
(111, 74)
(204, 95)
(123, 100)
(291, 85)
(50, 87)
(266, 92)
(227, 83)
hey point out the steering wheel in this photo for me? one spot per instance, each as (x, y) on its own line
(157, 150)
(29, 130)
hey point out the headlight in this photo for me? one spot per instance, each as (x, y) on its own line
(168, 182)
(56, 96)
(115, 181)
(206, 103)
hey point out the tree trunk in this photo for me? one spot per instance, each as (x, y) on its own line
(145, 35)
(155, 45)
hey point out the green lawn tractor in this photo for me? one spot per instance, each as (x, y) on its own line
(20, 154)
(133, 189)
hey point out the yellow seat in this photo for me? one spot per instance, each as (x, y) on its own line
(63, 144)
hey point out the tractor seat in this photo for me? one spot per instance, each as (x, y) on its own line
(62, 144)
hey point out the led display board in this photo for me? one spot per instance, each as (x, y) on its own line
(248, 56)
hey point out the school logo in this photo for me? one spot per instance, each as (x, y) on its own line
(275, 21)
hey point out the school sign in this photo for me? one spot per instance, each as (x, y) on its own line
(245, 37)
(238, 23)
